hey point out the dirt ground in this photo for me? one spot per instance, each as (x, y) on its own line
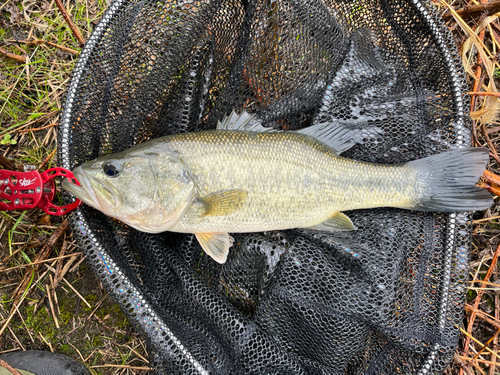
(51, 300)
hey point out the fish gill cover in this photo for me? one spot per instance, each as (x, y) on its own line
(384, 299)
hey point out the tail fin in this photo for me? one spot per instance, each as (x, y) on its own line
(451, 177)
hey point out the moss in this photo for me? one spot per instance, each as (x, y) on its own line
(40, 322)
(66, 349)
(97, 342)
(471, 295)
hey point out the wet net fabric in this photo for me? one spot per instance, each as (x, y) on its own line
(384, 299)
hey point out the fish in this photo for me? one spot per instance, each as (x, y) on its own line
(244, 177)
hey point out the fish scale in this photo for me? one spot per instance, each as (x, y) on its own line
(292, 181)
(243, 177)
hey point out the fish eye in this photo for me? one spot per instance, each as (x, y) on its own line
(111, 168)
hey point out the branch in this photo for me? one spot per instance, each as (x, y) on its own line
(476, 10)
(70, 23)
(21, 59)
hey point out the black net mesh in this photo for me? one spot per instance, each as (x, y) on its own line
(384, 299)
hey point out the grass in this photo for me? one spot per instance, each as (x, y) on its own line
(61, 306)
(51, 316)
(478, 41)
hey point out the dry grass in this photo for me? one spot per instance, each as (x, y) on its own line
(51, 301)
(478, 39)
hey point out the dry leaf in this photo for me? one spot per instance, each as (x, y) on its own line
(27, 4)
(15, 14)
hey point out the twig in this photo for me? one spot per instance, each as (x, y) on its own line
(123, 366)
(70, 23)
(42, 254)
(15, 308)
(486, 344)
(59, 266)
(473, 103)
(494, 157)
(476, 10)
(492, 177)
(480, 93)
(4, 4)
(8, 164)
(477, 360)
(483, 220)
(77, 264)
(39, 262)
(38, 119)
(36, 129)
(89, 356)
(469, 336)
(462, 364)
(48, 158)
(479, 296)
(64, 270)
(493, 130)
(24, 323)
(80, 354)
(495, 341)
(9, 367)
(45, 341)
(46, 42)
(51, 304)
(490, 181)
(490, 144)
(15, 338)
(473, 363)
(137, 353)
(481, 281)
(11, 314)
(18, 58)
(98, 305)
(76, 292)
(54, 294)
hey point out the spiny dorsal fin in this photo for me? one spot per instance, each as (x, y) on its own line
(216, 245)
(224, 202)
(335, 135)
(245, 121)
(337, 223)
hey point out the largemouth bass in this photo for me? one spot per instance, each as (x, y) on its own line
(243, 177)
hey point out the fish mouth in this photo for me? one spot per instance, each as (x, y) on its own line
(85, 192)
(92, 191)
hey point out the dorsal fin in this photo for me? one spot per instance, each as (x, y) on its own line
(335, 135)
(244, 121)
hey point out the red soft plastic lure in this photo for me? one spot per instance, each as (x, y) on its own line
(28, 190)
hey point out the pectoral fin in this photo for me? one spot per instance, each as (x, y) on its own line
(223, 203)
(216, 245)
(338, 222)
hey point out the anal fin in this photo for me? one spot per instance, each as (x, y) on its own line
(216, 245)
(224, 202)
(337, 223)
